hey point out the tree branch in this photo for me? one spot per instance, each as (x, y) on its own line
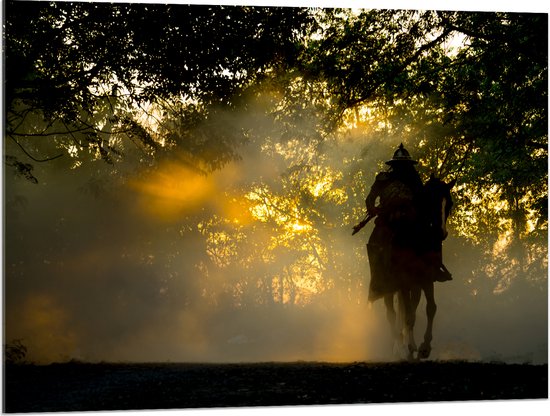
(401, 67)
(31, 156)
(44, 134)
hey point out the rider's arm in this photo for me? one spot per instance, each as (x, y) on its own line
(375, 191)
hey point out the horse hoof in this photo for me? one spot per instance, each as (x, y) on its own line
(424, 351)
(411, 358)
(400, 351)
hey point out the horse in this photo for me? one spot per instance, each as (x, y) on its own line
(417, 265)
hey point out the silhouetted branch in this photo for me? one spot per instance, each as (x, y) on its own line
(31, 156)
(44, 134)
(351, 103)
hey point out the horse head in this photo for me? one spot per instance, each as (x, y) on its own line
(437, 205)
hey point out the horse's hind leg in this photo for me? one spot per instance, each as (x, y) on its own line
(431, 308)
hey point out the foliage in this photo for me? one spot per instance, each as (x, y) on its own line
(78, 73)
(15, 352)
(334, 89)
(476, 112)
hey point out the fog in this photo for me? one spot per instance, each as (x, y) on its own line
(105, 265)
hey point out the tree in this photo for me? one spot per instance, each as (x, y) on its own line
(80, 75)
(465, 91)
(15, 352)
(477, 112)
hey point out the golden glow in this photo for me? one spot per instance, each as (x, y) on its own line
(298, 283)
(172, 191)
(236, 209)
(299, 227)
(277, 224)
(44, 324)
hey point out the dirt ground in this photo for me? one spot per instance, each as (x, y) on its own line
(94, 387)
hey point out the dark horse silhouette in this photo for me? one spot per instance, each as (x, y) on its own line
(417, 265)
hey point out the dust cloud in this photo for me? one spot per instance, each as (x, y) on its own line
(104, 266)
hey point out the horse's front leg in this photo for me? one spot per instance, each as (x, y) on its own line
(391, 316)
(397, 324)
(410, 299)
(431, 308)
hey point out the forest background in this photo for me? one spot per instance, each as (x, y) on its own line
(181, 181)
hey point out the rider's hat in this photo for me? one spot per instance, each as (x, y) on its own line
(401, 155)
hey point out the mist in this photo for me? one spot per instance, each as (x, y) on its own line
(108, 266)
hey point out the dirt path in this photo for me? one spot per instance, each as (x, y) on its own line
(84, 387)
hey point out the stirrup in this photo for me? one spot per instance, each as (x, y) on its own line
(442, 274)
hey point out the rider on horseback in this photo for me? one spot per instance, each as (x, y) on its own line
(398, 192)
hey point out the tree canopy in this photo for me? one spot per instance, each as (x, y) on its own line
(465, 91)
(85, 71)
